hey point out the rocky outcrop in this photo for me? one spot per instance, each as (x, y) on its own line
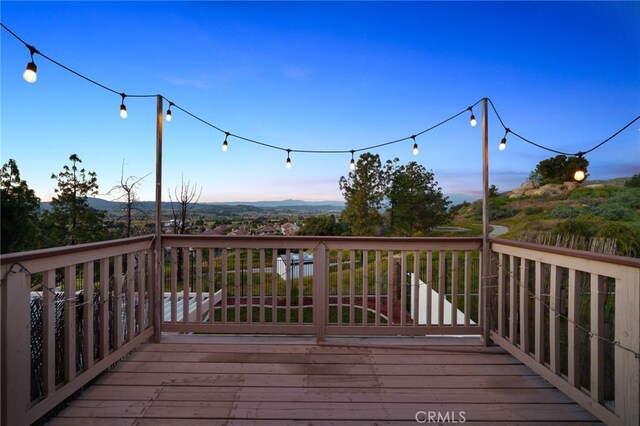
(531, 189)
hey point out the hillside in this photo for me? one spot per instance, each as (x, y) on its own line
(222, 209)
(604, 211)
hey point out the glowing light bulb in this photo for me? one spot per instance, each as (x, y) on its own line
(123, 111)
(415, 148)
(473, 121)
(503, 144)
(225, 145)
(30, 73)
(352, 164)
(288, 163)
(168, 117)
(579, 175)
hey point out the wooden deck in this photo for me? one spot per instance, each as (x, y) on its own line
(215, 380)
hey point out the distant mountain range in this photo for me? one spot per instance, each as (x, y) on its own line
(229, 207)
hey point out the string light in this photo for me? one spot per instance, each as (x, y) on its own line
(30, 76)
(168, 117)
(415, 145)
(288, 159)
(225, 145)
(503, 142)
(123, 108)
(352, 164)
(472, 119)
(580, 174)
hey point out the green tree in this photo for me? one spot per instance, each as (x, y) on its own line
(364, 192)
(633, 181)
(321, 225)
(20, 211)
(558, 169)
(72, 220)
(416, 203)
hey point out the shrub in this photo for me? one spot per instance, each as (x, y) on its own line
(633, 181)
(533, 210)
(613, 212)
(602, 192)
(502, 213)
(628, 198)
(627, 239)
(567, 212)
(585, 226)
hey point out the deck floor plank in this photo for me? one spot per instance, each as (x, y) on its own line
(197, 380)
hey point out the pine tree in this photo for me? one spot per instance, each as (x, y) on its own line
(72, 220)
(20, 211)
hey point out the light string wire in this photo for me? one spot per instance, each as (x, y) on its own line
(514, 276)
(577, 154)
(33, 51)
(511, 276)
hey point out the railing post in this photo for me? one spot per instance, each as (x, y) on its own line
(16, 325)
(320, 290)
(158, 290)
(627, 336)
(485, 294)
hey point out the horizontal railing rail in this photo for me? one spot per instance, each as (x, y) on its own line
(321, 285)
(67, 315)
(572, 316)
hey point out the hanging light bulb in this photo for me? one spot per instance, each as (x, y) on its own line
(123, 108)
(29, 74)
(352, 164)
(415, 145)
(168, 116)
(288, 159)
(503, 142)
(580, 174)
(225, 145)
(472, 119)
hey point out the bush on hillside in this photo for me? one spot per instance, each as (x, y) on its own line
(633, 181)
(585, 226)
(627, 239)
(533, 210)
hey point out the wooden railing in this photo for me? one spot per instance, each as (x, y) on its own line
(67, 315)
(573, 317)
(321, 285)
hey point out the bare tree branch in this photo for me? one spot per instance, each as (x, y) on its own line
(127, 189)
(185, 199)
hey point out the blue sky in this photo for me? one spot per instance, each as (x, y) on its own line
(328, 75)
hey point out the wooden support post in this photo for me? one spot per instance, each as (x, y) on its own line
(597, 298)
(320, 290)
(627, 335)
(16, 335)
(158, 267)
(485, 293)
